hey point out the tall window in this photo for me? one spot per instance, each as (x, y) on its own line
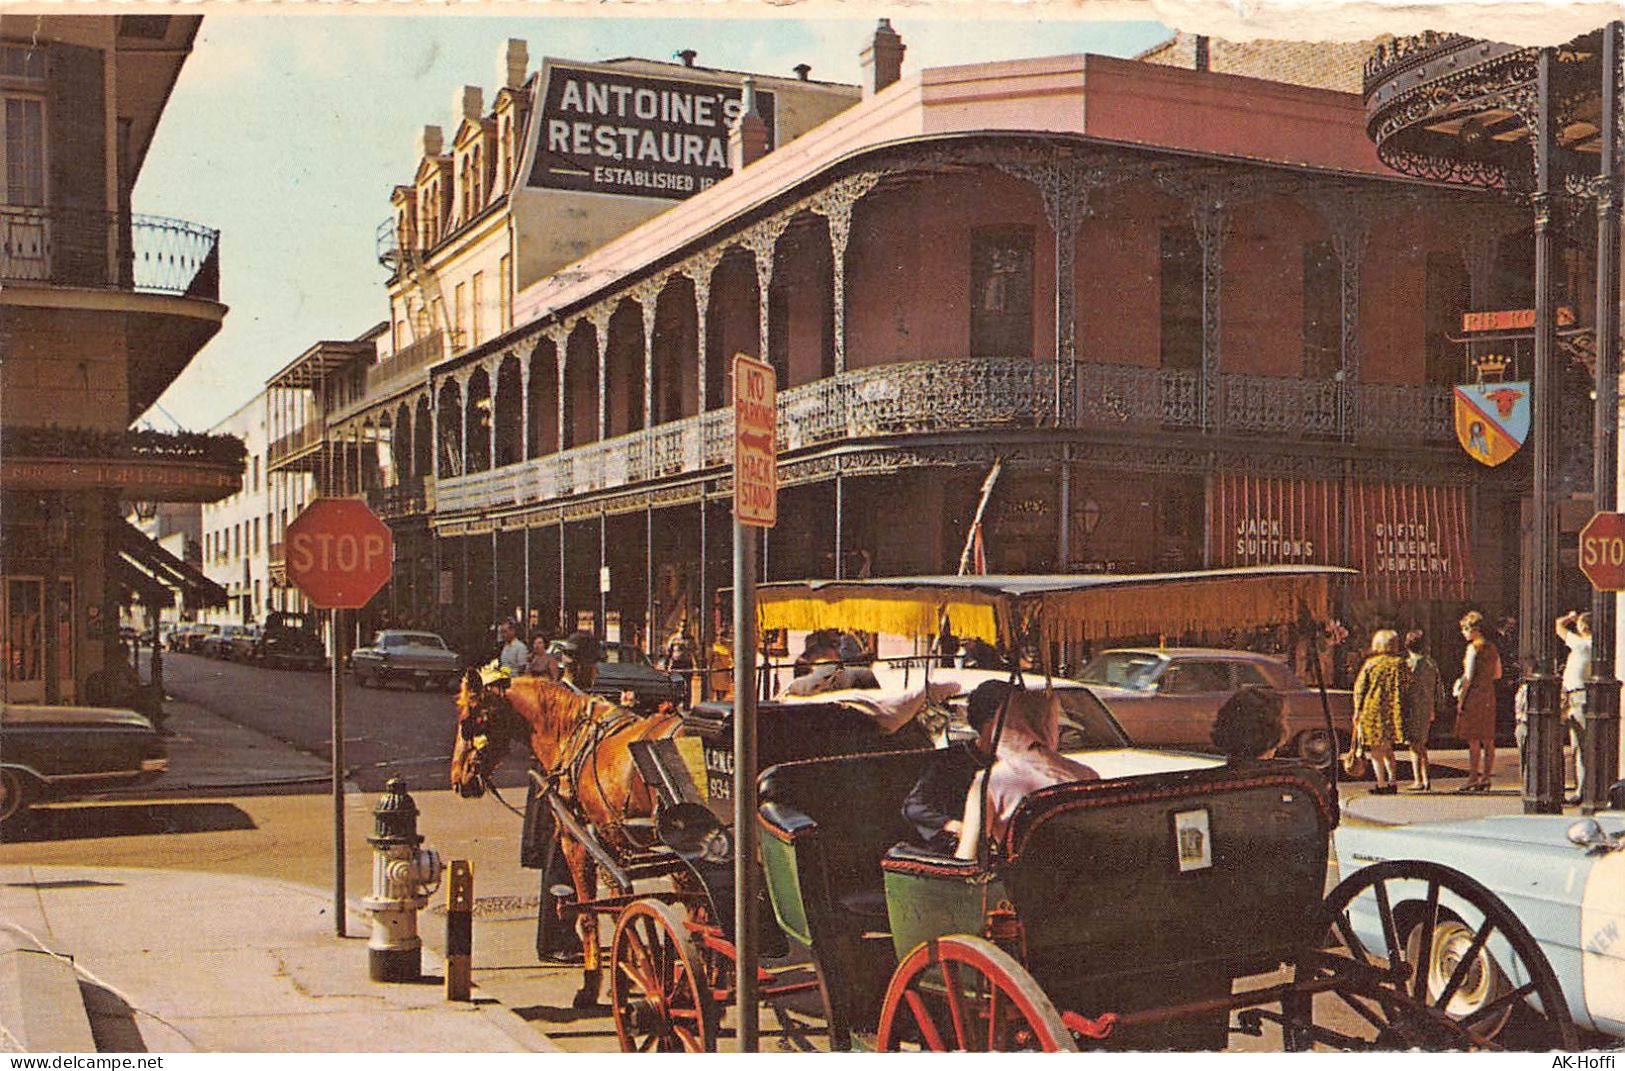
(1001, 279)
(22, 86)
(505, 293)
(460, 312)
(1446, 298)
(477, 299)
(1322, 312)
(25, 150)
(1181, 301)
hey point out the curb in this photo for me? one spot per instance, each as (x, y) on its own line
(41, 1007)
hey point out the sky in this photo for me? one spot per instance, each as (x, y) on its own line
(288, 132)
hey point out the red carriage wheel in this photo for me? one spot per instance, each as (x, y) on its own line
(964, 994)
(661, 999)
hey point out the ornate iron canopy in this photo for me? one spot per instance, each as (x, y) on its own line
(1458, 109)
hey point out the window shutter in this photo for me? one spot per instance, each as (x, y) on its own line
(77, 109)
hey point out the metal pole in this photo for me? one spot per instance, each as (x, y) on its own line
(840, 519)
(603, 560)
(336, 628)
(745, 936)
(1601, 740)
(1543, 774)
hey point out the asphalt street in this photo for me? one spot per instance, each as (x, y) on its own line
(388, 732)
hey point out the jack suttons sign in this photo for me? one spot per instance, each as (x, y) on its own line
(609, 132)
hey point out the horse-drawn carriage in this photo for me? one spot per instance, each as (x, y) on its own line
(1141, 909)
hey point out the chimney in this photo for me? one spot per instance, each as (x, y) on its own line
(802, 70)
(882, 61)
(687, 56)
(469, 103)
(430, 142)
(515, 61)
(748, 136)
(1201, 63)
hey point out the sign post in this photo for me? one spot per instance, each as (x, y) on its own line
(339, 554)
(756, 505)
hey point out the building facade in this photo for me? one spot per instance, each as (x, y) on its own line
(100, 309)
(237, 530)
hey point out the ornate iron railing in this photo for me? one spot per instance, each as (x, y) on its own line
(405, 365)
(1133, 395)
(78, 247)
(403, 499)
(943, 396)
(305, 435)
(1390, 58)
(1280, 405)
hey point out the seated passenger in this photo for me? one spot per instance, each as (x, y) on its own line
(821, 669)
(1249, 726)
(1027, 760)
(936, 803)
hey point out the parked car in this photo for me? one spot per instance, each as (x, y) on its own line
(1558, 876)
(245, 644)
(197, 635)
(623, 667)
(175, 640)
(421, 658)
(219, 644)
(1170, 696)
(290, 640)
(53, 753)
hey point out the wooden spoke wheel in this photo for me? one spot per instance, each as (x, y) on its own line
(657, 985)
(964, 994)
(1420, 956)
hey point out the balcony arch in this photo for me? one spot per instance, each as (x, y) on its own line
(542, 436)
(422, 441)
(674, 389)
(400, 445)
(509, 413)
(477, 415)
(450, 415)
(623, 365)
(581, 385)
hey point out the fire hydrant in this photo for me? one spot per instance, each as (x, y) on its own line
(404, 875)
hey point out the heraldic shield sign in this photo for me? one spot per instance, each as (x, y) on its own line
(1492, 419)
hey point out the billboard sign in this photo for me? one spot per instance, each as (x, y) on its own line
(608, 131)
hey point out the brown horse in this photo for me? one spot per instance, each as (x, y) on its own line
(583, 745)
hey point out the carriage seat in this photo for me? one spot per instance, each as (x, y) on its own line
(839, 817)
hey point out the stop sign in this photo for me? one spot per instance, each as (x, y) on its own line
(1602, 551)
(339, 553)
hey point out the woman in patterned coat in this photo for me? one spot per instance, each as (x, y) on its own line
(1382, 697)
(1475, 702)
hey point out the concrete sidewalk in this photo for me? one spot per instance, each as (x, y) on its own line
(181, 961)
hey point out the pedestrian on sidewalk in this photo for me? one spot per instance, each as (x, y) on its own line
(1574, 629)
(1427, 700)
(1475, 702)
(1382, 698)
(513, 657)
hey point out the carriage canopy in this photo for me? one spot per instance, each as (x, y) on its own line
(1053, 609)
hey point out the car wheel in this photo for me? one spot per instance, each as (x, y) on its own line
(1484, 984)
(14, 793)
(1315, 747)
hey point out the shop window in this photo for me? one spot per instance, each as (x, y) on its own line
(1181, 299)
(24, 149)
(1322, 313)
(1001, 271)
(25, 617)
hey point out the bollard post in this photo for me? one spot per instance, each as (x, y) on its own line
(1543, 758)
(459, 929)
(1601, 743)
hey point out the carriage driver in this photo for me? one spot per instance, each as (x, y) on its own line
(936, 804)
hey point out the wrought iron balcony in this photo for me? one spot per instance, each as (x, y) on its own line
(966, 395)
(298, 440)
(404, 499)
(118, 250)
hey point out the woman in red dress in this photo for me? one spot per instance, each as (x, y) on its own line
(1475, 702)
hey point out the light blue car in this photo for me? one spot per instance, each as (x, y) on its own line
(1529, 907)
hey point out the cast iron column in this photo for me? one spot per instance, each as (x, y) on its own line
(1543, 763)
(1602, 690)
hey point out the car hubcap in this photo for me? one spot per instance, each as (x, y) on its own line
(1484, 984)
